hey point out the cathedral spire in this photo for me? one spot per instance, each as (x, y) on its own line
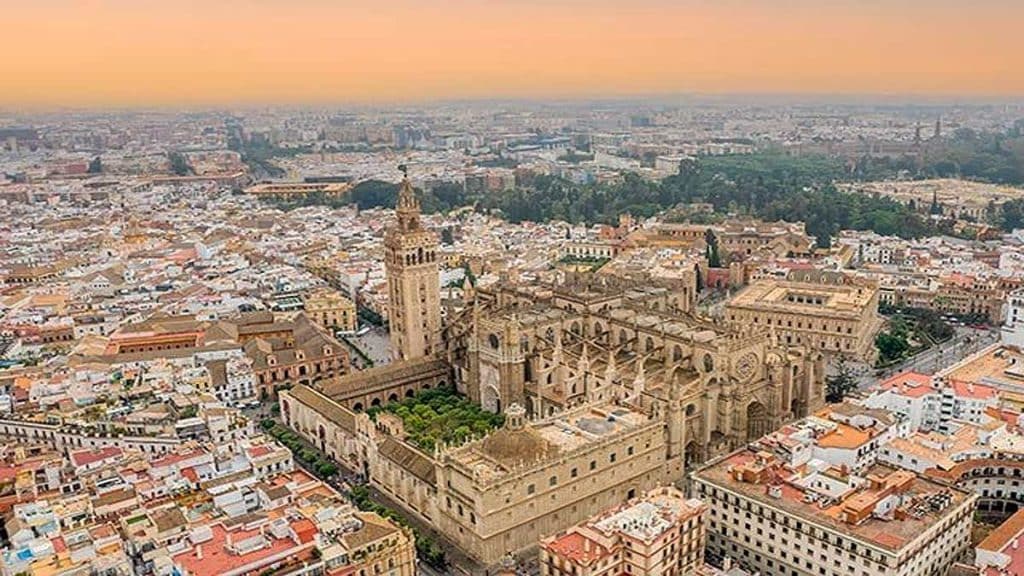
(640, 381)
(584, 362)
(414, 294)
(611, 371)
(407, 206)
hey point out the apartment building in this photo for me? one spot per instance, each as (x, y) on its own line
(660, 533)
(820, 520)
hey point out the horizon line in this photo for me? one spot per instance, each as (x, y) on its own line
(697, 98)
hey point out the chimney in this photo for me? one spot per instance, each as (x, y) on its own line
(199, 551)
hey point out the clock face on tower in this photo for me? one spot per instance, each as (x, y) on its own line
(746, 366)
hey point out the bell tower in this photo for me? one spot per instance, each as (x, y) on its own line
(414, 291)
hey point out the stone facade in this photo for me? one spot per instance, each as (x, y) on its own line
(608, 389)
(414, 284)
(331, 309)
(822, 311)
(610, 386)
(549, 350)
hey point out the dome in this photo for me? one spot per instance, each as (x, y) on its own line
(512, 447)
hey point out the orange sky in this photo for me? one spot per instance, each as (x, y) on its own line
(154, 52)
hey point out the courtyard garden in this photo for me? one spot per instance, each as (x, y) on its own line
(440, 415)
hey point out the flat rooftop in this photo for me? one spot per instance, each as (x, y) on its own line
(805, 297)
(649, 518)
(1001, 367)
(505, 450)
(890, 533)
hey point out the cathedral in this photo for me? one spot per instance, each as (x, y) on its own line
(609, 387)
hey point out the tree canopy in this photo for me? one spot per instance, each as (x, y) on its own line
(770, 185)
(440, 415)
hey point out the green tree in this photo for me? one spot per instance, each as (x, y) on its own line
(714, 261)
(446, 236)
(891, 346)
(326, 469)
(468, 272)
(841, 383)
(935, 209)
(1013, 214)
(179, 164)
(374, 194)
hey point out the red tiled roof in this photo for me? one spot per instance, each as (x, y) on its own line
(305, 530)
(217, 559)
(58, 544)
(972, 390)
(261, 450)
(190, 474)
(911, 384)
(91, 455)
(577, 547)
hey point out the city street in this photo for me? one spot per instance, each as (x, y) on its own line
(966, 341)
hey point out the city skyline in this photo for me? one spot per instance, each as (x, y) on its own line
(114, 53)
(512, 288)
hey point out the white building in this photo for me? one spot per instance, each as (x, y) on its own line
(1013, 330)
(931, 403)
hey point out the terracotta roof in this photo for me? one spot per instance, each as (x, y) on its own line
(392, 374)
(408, 458)
(329, 409)
(374, 528)
(91, 456)
(1004, 534)
(577, 547)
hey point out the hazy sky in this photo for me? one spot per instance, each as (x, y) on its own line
(154, 52)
